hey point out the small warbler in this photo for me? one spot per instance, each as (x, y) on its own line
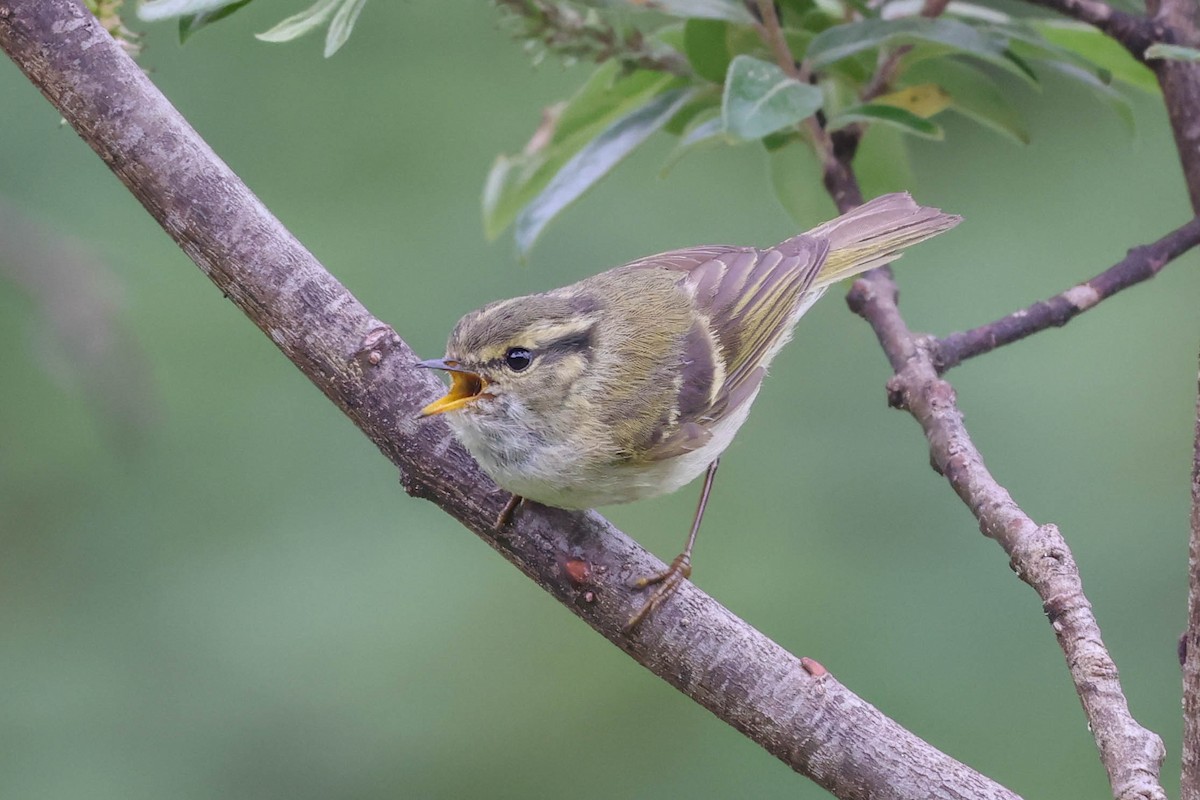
(631, 383)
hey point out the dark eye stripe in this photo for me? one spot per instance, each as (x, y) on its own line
(575, 342)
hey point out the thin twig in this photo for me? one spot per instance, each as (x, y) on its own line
(1140, 264)
(885, 73)
(792, 707)
(562, 29)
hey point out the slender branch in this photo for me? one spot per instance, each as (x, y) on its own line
(1140, 264)
(1132, 755)
(1189, 783)
(562, 29)
(792, 707)
(889, 64)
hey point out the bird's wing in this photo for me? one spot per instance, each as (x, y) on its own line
(748, 301)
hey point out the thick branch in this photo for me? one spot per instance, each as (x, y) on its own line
(1132, 755)
(1189, 784)
(792, 707)
(1140, 264)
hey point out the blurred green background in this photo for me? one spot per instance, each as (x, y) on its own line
(213, 586)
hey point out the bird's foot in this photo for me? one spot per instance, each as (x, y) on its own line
(667, 582)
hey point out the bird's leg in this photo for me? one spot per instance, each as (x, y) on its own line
(505, 517)
(681, 567)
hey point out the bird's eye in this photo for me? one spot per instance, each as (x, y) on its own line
(518, 358)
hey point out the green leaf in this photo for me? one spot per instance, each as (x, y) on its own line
(1172, 52)
(605, 97)
(923, 99)
(796, 178)
(846, 40)
(729, 10)
(910, 8)
(882, 162)
(1099, 49)
(154, 10)
(760, 99)
(973, 93)
(1105, 93)
(341, 25)
(297, 25)
(706, 48)
(1027, 44)
(705, 132)
(595, 161)
(194, 22)
(888, 115)
(705, 100)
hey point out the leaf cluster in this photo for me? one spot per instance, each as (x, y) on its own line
(338, 15)
(886, 73)
(705, 73)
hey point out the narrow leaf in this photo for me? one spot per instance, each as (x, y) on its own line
(297, 25)
(898, 9)
(194, 22)
(842, 41)
(882, 162)
(1107, 94)
(341, 25)
(706, 100)
(973, 93)
(1099, 49)
(924, 99)
(760, 99)
(154, 10)
(1172, 52)
(594, 162)
(888, 115)
(707, 132)
(729, 10)
(704, 43)
(796, 178)
(605, 97)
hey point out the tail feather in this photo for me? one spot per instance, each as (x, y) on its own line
(876, 233)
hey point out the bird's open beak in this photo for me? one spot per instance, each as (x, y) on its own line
(465, 387)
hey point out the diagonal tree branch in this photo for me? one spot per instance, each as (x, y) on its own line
(1140, 264)
(792, 707)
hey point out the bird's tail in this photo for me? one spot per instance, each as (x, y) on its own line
(875, 233)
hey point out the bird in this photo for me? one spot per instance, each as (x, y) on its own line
(631, 383)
